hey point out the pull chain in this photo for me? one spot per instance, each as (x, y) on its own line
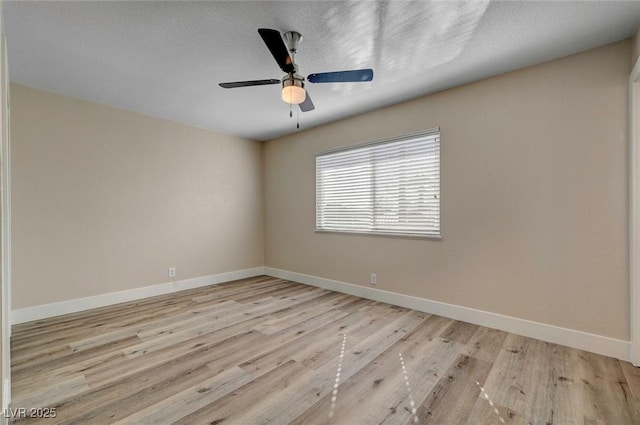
(297, 119)
(290, 111)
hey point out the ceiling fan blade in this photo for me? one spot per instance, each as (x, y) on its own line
(235, 84)
(354, 76)
(307, 105)
(273, 40)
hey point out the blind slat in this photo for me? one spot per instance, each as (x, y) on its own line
(388, 187)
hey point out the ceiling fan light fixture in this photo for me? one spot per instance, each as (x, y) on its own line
(293, 91)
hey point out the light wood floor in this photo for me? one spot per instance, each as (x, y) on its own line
(267, 351)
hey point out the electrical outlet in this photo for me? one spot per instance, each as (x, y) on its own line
(172, 272)
(374, 279)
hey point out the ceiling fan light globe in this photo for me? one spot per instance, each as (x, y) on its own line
(294, 95)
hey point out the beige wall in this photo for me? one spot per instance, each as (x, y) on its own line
(534, 197)
(106, 200)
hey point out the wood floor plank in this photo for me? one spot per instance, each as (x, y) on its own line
(451, 401)
(123, 399)
(373, 393)
(606, 389)
(632, 377)
(277, 322)
(275, 380)
(48, 395)
(567, 401)
(265, 351)
(39, 373)
(306, 350)
(199, 346)
(304, 391)
(512, 383)
(485, 344)
(190, 400)
(115, 399)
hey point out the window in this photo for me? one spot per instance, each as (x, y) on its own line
(388, 187)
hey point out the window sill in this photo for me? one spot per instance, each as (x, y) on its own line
(388, 235)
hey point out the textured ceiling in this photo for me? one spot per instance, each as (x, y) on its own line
(166, 58)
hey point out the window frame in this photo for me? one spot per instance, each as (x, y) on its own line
(424, 133)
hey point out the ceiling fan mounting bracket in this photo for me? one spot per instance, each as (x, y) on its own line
(293, 39)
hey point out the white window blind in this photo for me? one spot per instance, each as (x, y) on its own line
(386, 187)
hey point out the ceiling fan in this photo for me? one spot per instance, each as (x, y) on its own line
(293, 91)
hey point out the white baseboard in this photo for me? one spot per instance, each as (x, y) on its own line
(569, 337)
(44, 311)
